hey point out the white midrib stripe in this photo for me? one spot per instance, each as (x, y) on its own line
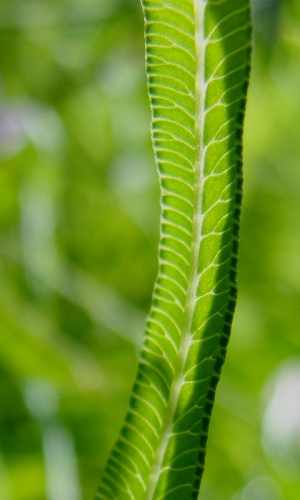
(200, 87)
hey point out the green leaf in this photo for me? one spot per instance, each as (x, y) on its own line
(198, 55)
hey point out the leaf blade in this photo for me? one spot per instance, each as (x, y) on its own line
(197, 66)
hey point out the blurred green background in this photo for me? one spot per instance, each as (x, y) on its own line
(79, 217)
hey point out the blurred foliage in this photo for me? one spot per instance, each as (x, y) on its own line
(78, 234)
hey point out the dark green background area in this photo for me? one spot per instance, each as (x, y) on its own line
(79, 216)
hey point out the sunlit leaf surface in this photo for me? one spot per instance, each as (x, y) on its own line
(197, 68)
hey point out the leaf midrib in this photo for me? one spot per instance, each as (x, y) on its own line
(186, 341)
